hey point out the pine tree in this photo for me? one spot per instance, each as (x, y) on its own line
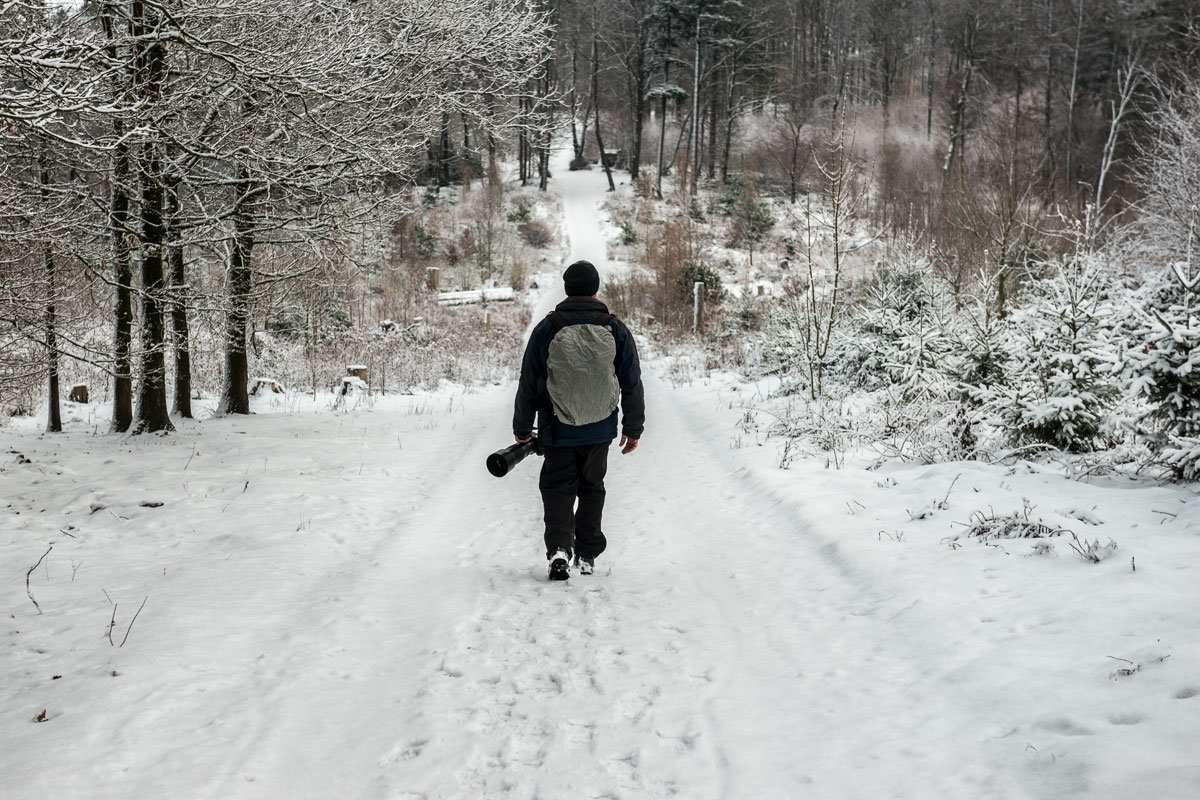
(1167, 371)
(1066, 362)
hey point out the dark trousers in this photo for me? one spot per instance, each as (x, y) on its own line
(571, 473)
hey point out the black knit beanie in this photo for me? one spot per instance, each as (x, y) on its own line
(581, 280)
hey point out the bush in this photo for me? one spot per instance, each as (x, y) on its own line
(520, 213)
(695, 272)
(628, 233)
(1167, 373)
(536, 234)
(424, 242)
(1065, 363)
(902, 337)
(725, 202)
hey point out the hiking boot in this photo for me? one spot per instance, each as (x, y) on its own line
(559, 566)
(585, 565)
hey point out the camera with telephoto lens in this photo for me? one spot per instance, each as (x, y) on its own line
(501, 462)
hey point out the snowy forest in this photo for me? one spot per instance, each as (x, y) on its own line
(972, 220)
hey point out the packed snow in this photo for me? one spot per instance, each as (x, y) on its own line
(322, 601)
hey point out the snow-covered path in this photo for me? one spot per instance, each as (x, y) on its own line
(583, 224)
(438, 662)
(348, 605)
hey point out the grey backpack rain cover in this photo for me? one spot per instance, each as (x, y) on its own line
(581, 380)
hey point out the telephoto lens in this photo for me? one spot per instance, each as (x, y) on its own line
(500, 462)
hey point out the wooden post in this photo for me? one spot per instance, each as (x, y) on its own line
(697, 300)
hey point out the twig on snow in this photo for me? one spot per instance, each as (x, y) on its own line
(30, 572)
(112, 623)
(946, 499)
(135, 616)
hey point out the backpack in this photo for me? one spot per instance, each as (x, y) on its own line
(580, 377)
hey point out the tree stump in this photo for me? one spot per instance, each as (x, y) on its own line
(79, 393)
(358, 371)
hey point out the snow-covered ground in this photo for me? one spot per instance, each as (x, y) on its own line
(346, 604)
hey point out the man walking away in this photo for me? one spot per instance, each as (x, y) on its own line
(580, 361)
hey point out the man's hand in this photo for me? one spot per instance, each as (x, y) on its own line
(628, 444)
(539, 451)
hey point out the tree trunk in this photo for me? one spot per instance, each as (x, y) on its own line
(1071, 103)
(1015, 139)
(694, 158)
(464, 168)
(235, 398)
(493, 171)
(1047, 117)
(596, 126)
(662, 122)
(182, 404)
(522, 145)
(712, 128)
(151, 413)
(54, 412)
(444, 152)
(639, 105)
(958, 109)
(929, 72)
(794, 166)
(120, 222)
(662, 142)
(544, 162)
(728, 128)
(544, 137)
(119, 230)
(576, 141)
(54, 407)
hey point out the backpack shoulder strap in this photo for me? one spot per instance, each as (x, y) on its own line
(559, 321)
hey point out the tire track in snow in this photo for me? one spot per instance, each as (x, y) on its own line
(820, 658)
(343, 668)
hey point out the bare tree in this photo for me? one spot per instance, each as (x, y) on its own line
(833, 218)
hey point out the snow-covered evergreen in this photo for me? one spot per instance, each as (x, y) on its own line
(1065, 368)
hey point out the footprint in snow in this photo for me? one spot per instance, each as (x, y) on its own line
(1063, 726)
(1126, 719)
(404, 752)
(581, 734)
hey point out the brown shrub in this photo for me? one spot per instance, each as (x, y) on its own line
(536, 234)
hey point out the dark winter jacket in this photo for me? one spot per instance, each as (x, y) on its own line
(531, 390)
